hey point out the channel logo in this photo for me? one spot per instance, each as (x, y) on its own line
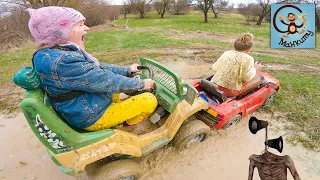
(293, 26)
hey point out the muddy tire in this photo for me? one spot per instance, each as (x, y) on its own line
(234, 120)
(270, 98)
(124, 169)
(193, 132)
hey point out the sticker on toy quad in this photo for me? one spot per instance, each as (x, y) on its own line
(45, 132)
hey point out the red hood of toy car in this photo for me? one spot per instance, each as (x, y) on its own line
(269, 78)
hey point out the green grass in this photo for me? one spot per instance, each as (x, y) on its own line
(226, 23)
(299, 97)
(125, 40)
(284, 60)
(11, 61)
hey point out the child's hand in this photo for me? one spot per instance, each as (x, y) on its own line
(257, 66)
(148, 84)
(134, 68)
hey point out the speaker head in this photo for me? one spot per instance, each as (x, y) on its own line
(255, 125)
(275, 143)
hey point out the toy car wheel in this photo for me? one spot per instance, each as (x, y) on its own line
(270, 97)
(124, 169)
(193, 132)
(234, 120)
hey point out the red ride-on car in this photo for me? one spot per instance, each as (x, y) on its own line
(224, 111)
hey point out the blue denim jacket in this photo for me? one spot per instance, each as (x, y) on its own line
(63, 70)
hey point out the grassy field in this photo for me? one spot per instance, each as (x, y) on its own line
(298, 72)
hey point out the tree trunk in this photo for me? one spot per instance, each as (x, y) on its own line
(141, 15)
(125, 15)
(215, 15)
(206, 17)
(260, 20)
(162, 13)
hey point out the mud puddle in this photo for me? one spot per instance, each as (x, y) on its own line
(191, 69)
(23, 157)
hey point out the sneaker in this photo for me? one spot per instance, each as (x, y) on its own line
(126, 125)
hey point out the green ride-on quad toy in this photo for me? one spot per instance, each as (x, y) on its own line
(73, 149)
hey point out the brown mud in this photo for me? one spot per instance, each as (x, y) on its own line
(223, 156)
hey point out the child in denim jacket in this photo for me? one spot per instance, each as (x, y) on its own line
(67, 70)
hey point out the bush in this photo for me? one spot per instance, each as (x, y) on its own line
(179, 7)
(98, 12)
(14, 30)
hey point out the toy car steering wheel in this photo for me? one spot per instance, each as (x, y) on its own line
(140, 67)
(136, 75)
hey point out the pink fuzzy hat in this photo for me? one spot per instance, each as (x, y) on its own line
(53, 24)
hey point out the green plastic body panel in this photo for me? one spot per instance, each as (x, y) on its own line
(155, 145)
(27, 78)
(170, 88)
(51, 130)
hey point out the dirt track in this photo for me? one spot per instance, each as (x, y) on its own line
(223, 156)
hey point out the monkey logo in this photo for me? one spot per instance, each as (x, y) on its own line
(291, 18)
(292, 27)
(289, 22)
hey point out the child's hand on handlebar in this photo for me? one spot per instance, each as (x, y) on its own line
(134, 68)
(148, 84)
(257, 66)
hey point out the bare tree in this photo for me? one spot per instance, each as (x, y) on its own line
(161, 6)
(265, 9)
(141, 6)
(218, 6)
(43, 3)
(13, 29)
(179, 6)
(205, 5)
(253, 10)
(157, 6)
(98, 12)
(230, 6)
(248, 11)
(126, 8)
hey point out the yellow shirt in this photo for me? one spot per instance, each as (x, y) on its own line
(232, 69)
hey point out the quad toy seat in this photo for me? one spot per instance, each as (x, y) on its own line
(213, 88)
(54, 132)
